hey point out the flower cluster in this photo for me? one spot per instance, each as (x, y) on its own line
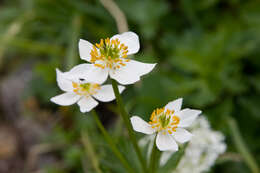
(202, 151)
(110, 58)
(82, 92)
(83, 83)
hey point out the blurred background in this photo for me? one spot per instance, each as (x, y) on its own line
(208, 52)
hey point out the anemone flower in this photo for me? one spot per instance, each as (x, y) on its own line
(168, 123)
(110, 58)
(82, 92)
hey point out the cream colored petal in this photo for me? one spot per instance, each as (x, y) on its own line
(106, 93)
(181, 135)
(131, 72)
(86, 104)
(174, 105)
(85, 48)
(129, 39)
(64, 83)
(88, 72)
(165, 142)
(65, 99)
(187, 116)
(140, 125)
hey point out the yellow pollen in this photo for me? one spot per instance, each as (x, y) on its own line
(164, 120)
(109, 53)
(74, 84)
(175, 120)
(85, 89)
(99, 65)
(174, 128)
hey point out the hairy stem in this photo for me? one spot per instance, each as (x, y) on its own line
(111, 143)
(241, 146)
(154, 157)
(127, 122)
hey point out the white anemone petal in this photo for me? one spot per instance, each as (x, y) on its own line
(106, 93)
(65, 99)
(78, 71)
(64, 83)
(131, 72)
(129, 39)
(85, 48)
(181, 135)
(140, 125)
(89, 72)
(86, 104)
(187, 116)
(165, 141)
(174, 105)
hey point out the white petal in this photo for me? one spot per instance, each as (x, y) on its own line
(129, 39)
(86, 104)
(187, 116)
(131, 72)
(78, 72)
(64, 83)
(80, 69)
(88, 72)
(140, 125)
(85, 48)
(106, 93)
(66, 99)
(165, 141)
(174, 105)
(181, 135)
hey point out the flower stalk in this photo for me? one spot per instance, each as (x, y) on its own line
(111, 143)
(127, 122)
(154, 157)
(241, 146)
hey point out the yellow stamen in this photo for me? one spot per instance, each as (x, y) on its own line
(164, 120)
(85, 89)
(110, 52)
(99, 65)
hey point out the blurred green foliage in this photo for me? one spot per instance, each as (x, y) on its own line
(207, 52)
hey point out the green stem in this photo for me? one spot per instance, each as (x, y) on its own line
(154, 157)
(111, 143)
(127, 122)
(241, 146)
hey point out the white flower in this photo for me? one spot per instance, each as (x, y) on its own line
(109, 57)
(169, 123)
(81, 91)
(202, 150)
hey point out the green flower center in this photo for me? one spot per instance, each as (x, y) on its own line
(164, 120)
(85, 89)
(109, 53)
